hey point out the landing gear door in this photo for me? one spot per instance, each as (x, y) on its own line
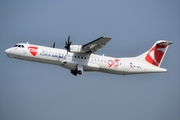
(79, 69)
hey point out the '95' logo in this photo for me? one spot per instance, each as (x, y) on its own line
(114, 63)
(33, 50)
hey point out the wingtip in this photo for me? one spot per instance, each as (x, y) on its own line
(106, 37)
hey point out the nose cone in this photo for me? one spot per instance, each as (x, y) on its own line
(7, 51)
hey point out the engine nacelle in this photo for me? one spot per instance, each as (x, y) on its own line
(76, 49)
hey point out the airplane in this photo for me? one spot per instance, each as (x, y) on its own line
(81, 58)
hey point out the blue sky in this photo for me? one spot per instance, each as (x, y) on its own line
(34, 91)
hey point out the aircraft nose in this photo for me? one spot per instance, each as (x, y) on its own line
(7, 51)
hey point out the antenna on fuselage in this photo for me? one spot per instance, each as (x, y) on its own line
(27, 43)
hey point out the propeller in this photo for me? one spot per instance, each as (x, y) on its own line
(54, 44)
(68, 44)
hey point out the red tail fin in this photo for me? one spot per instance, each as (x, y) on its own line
(156, 54)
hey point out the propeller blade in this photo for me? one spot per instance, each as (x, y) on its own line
(68, 44)
(54, 45)
(68, 38)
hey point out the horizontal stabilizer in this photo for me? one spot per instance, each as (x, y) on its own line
(165, 43)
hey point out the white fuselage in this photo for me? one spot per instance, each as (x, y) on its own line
(89, 62)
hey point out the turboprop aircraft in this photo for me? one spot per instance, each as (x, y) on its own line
(80, 58)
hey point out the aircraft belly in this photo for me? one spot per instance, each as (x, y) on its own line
(111, 71)
(144, 69)
(37, 59)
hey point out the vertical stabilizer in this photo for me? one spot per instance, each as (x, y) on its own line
(156, 54)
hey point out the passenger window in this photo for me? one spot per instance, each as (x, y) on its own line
(81, 57)
(78, 56)
(19, 45)
(23, 46)
(84, 57)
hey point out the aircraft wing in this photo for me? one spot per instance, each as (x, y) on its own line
(95, 44)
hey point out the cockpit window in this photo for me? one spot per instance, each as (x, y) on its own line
(21, 46)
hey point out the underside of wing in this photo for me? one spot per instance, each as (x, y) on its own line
(93, 46)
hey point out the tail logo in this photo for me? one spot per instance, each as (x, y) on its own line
(33, 50)
(155, 55)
